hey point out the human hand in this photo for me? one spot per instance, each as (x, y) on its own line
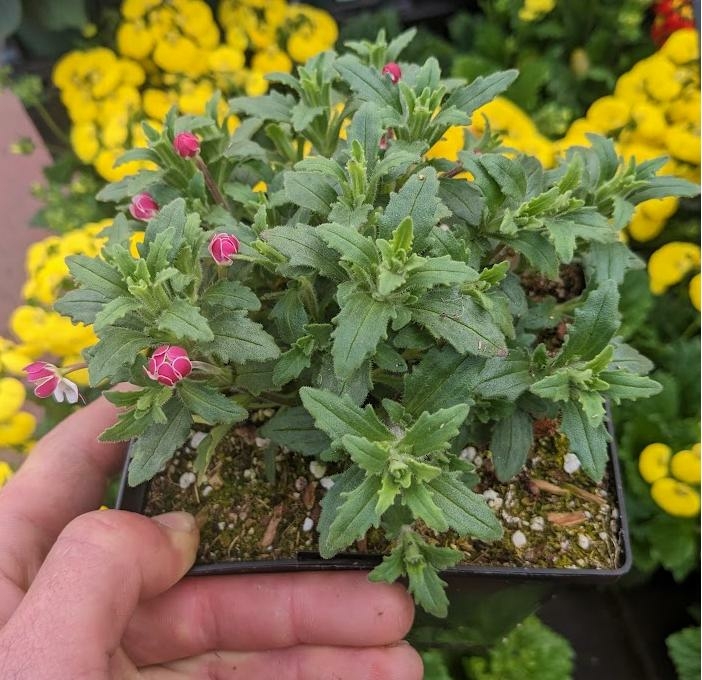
(98, 595)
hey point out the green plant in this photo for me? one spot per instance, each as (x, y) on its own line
(684, 650)
(376, 302)
(531, 651)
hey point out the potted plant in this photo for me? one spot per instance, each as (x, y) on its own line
(341, 345)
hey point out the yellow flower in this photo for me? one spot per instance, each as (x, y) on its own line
(677, 499)
(194, 97)
(682, 47)
(694, 291)
(260, 187)
(18, 429)
(270, 60)
(649, 120)
(178, 54)
(671, 263)
(132, 73)
(661, 78)
(653, 462)
(13, 358)
(449, 145)
(535, 9)
(157, 102)
(135, 240)
(84, 141)
(11, 397)
(683, 144)
(644, 228)
(79, 376)
(255, 84)
(5, 473)
(659, 208)
(685, 465)
(135, 9)
(608, 113)
(236, 38)
(135, 40)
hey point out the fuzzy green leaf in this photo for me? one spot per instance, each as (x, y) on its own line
(115, 309)
(419, 500)
(443, 378)
(273, 106)
(505, 377)
(538, 250)
(209, 404)
(239, 339)
(290, 365)
(184, 321)
(360, 325)
(294, 428)
(366, 82)
(230, 295)
(370, 456)
(170, 216)
(433, 432)
(355, 514)
(310, 190)
(428, 589)
(418, 199)
(438, 271)
(511, 441)
(684, 649)
(587, 443)
(96, 275)
(115, 353)
(462, 199)
(156, 446)
(304, 248)
(351, 246)
(82, 304)
(339, 416)
(461, 322)
(349, 479)
(367, 129)
(466, 512)
(127, 427)
(595, 324)
(625, 385)
(481, 90)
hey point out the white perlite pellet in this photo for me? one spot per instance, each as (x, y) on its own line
(187, 479)
(490, 494)
(583, 541)
(519, 539)
(571, 463)
(221, 525)
(318, 469)
(537, 524)
(196, 439)
(327, 483)
(206, 491)
(468, 453)
(308, 524)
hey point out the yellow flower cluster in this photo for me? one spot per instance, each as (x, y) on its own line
(5, 473)
(654, 111)
(670, 264)
(533, 10)
(40, 332)
(174, 53)
(674, 479)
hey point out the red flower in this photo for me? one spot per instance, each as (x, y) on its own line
(223, 248)
(143, 207)
(393, 71)
(186, 144)
(168, 365)
(50, 381)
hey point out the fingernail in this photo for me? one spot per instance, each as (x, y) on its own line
(176, 521)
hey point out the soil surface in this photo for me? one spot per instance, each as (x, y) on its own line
(553, 514)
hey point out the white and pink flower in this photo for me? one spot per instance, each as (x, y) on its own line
(49, 380)
(393, 71)
(168, 365)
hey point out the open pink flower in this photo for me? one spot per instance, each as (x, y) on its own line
(186, 144)
(223, 248)
(143, 207)
(392, 70)
(168, 365)
(49, 380)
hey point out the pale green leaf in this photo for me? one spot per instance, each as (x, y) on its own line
(587, 443)
(239, 339)
(209, 403)
(294, 428)
(184, 321)
(512, 438)
(433, 432)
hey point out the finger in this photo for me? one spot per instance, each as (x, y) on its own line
(63, 477)
(254, 612)
(83, 596)
(399, 662)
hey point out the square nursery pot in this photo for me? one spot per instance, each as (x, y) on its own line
(486, 601)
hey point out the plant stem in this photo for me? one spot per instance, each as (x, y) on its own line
(211, 184)
(51, 123)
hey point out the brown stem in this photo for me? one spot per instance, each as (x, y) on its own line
(457, 170)
(211, 184)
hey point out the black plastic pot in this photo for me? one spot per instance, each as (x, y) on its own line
(486, 602)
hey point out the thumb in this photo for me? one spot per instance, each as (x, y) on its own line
(101, 566)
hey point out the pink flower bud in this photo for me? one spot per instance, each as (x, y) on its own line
(388, 135)
(49, 381)
(223, 247)
(392, 70)
(186, 144)
(143, 207)
(168, 365)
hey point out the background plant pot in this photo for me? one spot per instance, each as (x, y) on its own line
(486, 602)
